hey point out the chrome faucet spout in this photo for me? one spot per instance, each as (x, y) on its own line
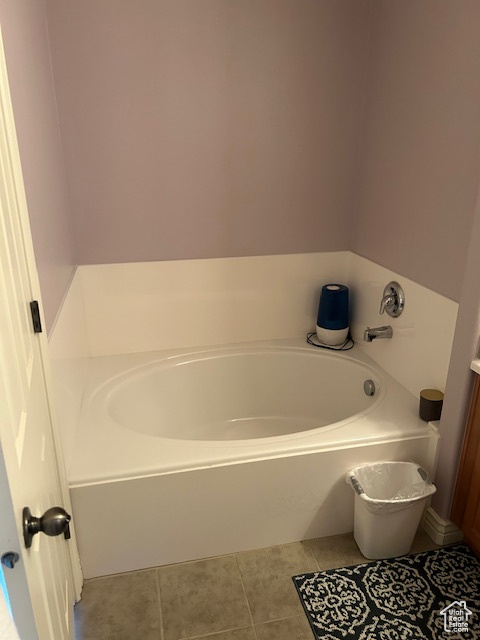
(371, 333)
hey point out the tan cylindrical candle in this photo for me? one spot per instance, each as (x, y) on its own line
(431, 403)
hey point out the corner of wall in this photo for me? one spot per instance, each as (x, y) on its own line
(69, 351)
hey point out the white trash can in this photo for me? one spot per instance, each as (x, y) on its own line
(389, 501)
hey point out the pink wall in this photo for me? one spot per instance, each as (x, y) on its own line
(214, 128)
(222, 128)
(420, 161)
(31, 84)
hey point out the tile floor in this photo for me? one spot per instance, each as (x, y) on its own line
(243, 596)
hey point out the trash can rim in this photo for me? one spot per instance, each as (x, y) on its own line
(356, 485)
(430, 490)
(386, 462)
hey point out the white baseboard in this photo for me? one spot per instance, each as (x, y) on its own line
(441, 531)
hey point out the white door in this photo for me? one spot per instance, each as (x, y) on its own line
(28, 455)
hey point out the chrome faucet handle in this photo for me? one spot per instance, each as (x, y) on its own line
(388, 302)
(393, 301)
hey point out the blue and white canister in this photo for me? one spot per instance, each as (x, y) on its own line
(333, 315)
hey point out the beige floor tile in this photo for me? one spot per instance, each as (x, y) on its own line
(119, 608)
(267, 576)
(342, 550)
(296, 628)
(336, 551)
(200, 598)
(423, 542)
(207, 598)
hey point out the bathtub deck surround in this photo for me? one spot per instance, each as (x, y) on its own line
(422, 335)
(125, 312)
(148, 306)
(137, 307)
(291, 485)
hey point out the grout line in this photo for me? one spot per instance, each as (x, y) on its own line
(246, 598)
(296, 615)
(120, 574)
(309, 543)
(159, 600)
(163, 566)
(176, 564)
(182, 562)
(215, 633)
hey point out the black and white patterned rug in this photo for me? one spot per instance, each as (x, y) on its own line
(428, 596)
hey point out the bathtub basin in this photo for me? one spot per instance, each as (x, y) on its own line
(238, 394)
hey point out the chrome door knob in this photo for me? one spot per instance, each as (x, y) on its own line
(53, 522)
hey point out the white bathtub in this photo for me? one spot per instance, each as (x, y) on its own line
(186, 455)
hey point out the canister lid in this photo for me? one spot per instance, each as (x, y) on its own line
(434, 395)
